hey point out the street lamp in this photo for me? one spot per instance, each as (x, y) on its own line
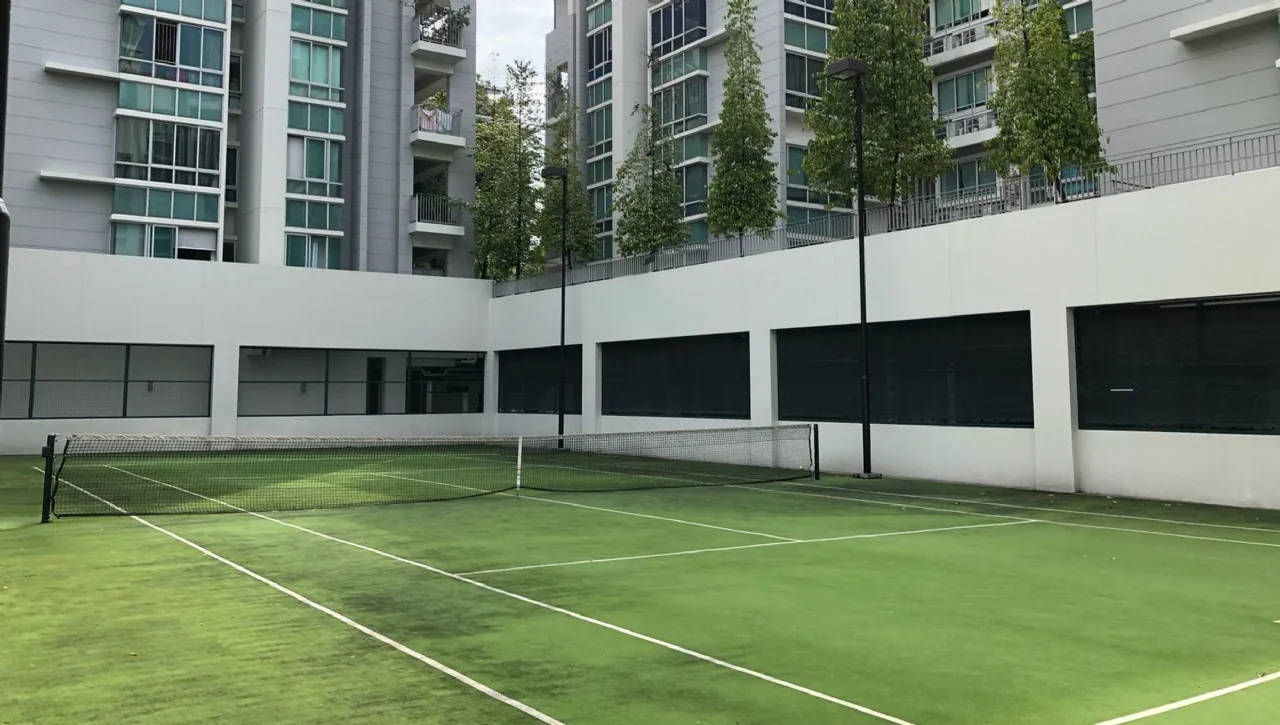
(844, 70)
(561, 173)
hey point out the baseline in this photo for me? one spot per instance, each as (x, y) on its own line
(553, 608)
(404, 649)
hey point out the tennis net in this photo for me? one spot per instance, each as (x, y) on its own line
(100, 475)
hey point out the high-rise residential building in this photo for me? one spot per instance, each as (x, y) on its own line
(305, 133)
(1165, 76)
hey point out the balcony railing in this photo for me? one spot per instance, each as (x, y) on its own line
(433, 209)
(1247, 152)
(440, 28)
(955, 39)
(959, 125)
(447, 121)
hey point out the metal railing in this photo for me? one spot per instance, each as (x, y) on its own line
(959, 38)
(1252, 151)
(959, 125)
(440, 28)
(433, 209)
(447, 121)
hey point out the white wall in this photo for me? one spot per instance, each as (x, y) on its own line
(72, 297)
(1199, 239)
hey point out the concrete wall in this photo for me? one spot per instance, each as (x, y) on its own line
(75, 297)
(1154, 92)
(61, 123)
(1129, 248)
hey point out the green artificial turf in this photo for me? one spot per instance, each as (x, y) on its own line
(1097, 609)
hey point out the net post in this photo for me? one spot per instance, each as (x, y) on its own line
(817, 469)
(519, 462)
(46, 503)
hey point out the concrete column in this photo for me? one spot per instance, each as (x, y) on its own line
(764, 396)
(491, 393)
(590, 387)
(1054, 396)
(264, 131)
(224, 390)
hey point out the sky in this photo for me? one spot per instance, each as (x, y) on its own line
(509, 30)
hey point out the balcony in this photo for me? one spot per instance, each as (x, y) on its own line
(438, 47)
(969, 128)
(437, 133)
(965, 44)
(436, 222)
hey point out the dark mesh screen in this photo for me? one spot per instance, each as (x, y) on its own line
(528, 380)
(680, 377)
(1198, 367)
(964, 371)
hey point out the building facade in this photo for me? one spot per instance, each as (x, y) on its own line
(1167, 75)
(326, 134)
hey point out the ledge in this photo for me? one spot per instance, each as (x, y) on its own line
(75, 70)
(1223, 23)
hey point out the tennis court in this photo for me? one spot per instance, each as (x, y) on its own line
(691, 578)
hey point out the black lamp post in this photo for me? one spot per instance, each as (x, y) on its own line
(561, 173)
(6, 10)
(852, 69)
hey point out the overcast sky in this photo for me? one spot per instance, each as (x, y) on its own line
(510, 30)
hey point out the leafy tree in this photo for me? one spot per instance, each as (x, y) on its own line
(508, 154)
(647, 195)
(563, 150)
(900, 143)
(744, 190)
(1040, 98)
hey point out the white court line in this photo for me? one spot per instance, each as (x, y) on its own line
(598, 508)
(434, 664)
(1193, 700)
(746, 546)
(1001, 516)
(553, 608)
(1036, 508)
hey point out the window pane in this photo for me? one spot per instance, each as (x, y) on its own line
(206, 208)
(795, 165)
(300, 61)
(335, 217)
(336, 78)
(129, 200)
(334, 260)
(944, 13)
(184, 205)
(964, 91)
(185, 146)
(210, 149)
(215, 10)
(162, 140)
(166, 100)
(132, 140)
(968, 175)
(295, 156)
(162, 241)
(210, 107)
(160, 203)
(298, 113)
(135, 96)
(189, 45)
(188, 103)
(295, 250)
(315, 159)
(212, 49)
(319, 118)
(795, 34)
(128, 239)
(135, 36)
(317, 215)
(320, 64)
(947, 97)
(321, 24)
(295, 213)
(339, 27)
(301, 20)
(335, 162)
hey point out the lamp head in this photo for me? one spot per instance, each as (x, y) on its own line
(555, 172)
(847, 69)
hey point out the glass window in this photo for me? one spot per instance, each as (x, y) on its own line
(164, 241)
(184, 205)
(129, 239)
(316, 252)
(601, 92)
(963, 92)
(171, 51)
(315, 71)
(677, 24)
(129, 200)
(206, 208)
(600, 54)
(165, 100)
(803, 79)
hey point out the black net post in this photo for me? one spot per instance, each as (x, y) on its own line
(817, 468)
(46, 506)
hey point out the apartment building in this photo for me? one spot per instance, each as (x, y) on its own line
(1157, 87)
(318, 133)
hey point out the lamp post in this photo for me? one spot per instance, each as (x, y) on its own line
(6, 10)
(561, 173)
(845, 70)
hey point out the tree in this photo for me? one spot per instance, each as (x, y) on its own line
(508, 152)
(647, 195)
(900, 127)
(744, 190)
(563, 150)
(1040, 98)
